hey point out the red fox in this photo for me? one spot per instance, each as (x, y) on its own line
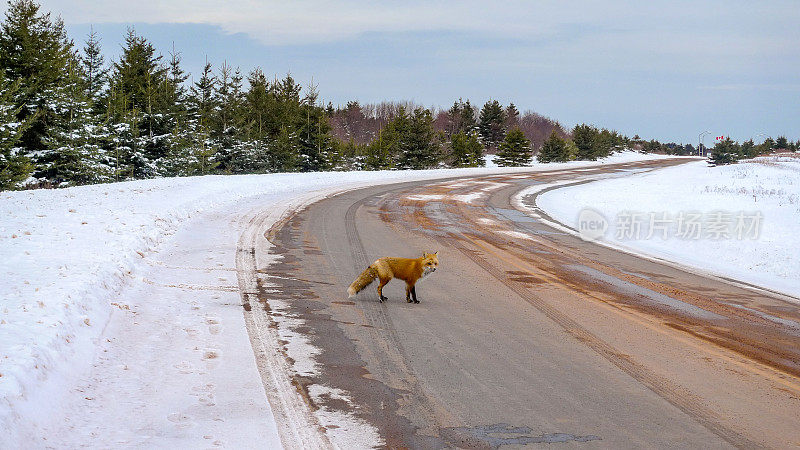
(409, 270)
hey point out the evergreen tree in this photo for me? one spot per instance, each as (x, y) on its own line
(466, 150)
(454, 118)
(142, 97)
(605, 143)
(571, 150)
(174, 94)
(198, 148)
(314, 135)
(202, 99)
(257, 104)
(468, 121)
(283, 151)
(491, 124)
(73, 153)
(227, 130)
(385, 151)
(766, 147)
(418, 147)
(554, 149)
(35, 50)
(286, 109)
(515, 150)
(584, 137)
(251, 154)
(379, 153)
(176, 138)
(781, 143)
(14, 166)
(748, 149)
(724, 152)
(137, 72)
(511, 117)
(461, 117)
(95, 72)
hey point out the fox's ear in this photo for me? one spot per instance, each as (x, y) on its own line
(424, 255)
(436, 254)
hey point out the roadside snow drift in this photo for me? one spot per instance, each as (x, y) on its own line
(739, 221)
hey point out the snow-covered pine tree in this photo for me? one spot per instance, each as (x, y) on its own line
(95, 132)
(15, 167)
(34, 49)
(140, 94)
(175, 119)
(203, 105)
(228, 123)
(313, 134)
(73, 152)
(253, 156)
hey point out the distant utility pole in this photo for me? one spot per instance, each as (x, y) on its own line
(700, 142)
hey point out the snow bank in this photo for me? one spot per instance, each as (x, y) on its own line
(616, 158)
(769, 186)
(66, 255)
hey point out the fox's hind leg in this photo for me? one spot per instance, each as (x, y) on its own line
(380, 288)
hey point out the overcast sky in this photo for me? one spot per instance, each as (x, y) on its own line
(663, 69)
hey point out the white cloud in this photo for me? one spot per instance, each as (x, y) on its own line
(314, 21)
(303, 21)
(671, 25)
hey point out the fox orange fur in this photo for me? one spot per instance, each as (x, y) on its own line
(410, 270)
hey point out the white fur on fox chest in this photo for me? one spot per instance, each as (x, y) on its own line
(425, 272)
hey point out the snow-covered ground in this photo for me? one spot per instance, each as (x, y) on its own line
(739, 221)
(120, 317)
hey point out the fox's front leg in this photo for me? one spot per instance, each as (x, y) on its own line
(414, 293)
(409, 289)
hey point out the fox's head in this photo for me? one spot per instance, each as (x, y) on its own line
(430, 261)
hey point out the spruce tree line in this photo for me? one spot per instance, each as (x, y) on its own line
(68, 117)
(728, 151)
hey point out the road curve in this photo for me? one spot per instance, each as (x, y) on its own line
(526, 334)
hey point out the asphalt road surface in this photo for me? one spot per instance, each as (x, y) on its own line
(526, 335)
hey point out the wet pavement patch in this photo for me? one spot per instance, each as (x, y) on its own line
(644, 294)
(493, 436)
(513, 215)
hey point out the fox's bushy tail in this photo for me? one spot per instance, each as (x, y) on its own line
(363, 280)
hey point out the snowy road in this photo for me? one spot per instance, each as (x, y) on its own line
(526, 334)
